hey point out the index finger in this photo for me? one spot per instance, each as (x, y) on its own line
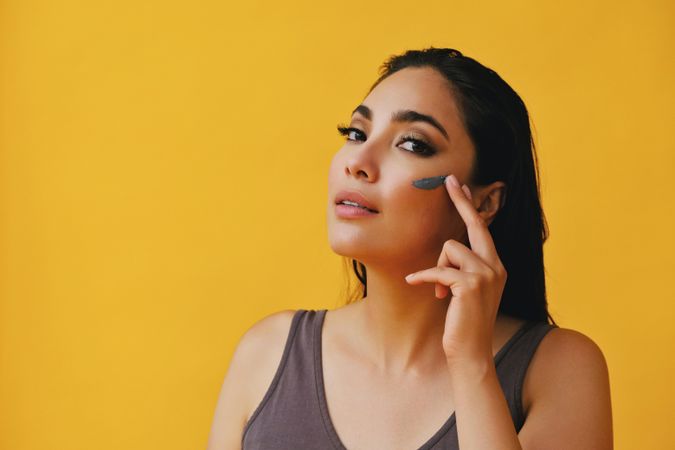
(479, 235)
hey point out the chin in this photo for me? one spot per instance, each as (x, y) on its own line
(349, 246)
(368, 250)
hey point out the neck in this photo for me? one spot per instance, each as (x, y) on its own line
(402, 324)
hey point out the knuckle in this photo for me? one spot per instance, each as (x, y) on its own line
(501, 271)
(492, 275)
(473, 281)
(449, 244)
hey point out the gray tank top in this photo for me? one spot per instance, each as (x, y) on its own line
(293, 414)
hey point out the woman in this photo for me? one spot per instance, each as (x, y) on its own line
(460, 353)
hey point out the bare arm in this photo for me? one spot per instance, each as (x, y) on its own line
(482, 414)
(250, 372)
(570, 390)
(570, 406)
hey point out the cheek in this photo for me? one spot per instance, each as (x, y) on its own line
(428, 218)
(419, 215)
(334, 168)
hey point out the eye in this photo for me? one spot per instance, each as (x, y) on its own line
(350, 131)
(419, 145)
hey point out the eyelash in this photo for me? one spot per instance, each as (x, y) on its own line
(426, 149)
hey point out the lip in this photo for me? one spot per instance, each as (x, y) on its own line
(352, 212)
(356, 197)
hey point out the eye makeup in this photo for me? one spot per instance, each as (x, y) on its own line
(421, 148)
(429, 183)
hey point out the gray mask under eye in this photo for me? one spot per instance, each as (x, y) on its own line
(429, 183)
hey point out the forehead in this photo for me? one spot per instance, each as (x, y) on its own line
(422, 89)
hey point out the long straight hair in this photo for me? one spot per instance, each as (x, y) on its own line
(498, 124)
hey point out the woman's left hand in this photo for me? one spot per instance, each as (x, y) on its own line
(476, 278)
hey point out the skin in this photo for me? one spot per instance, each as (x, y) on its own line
(405, 321)
(397, 363)
(442, 236)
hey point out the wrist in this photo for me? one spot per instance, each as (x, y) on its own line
(471, 370)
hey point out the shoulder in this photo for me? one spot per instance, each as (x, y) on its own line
(567, 359)
(567, 383)
(250, 372)
(265, 333)
(259, 353)
(563, 352)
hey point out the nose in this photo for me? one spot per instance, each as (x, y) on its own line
(362, 162)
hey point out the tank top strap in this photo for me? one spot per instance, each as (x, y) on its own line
(289, 413)
(512, 364)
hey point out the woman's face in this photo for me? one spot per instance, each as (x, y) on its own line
(379, 161)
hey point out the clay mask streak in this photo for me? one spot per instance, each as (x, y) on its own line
(429, 183)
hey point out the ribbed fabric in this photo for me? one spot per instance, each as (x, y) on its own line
(293, 414)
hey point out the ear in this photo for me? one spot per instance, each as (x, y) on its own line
(490, 200)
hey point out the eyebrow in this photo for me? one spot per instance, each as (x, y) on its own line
(404, 115)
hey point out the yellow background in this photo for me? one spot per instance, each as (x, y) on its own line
(163, 185)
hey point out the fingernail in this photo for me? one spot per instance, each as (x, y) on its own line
(409, 276)
(453, 180)
(467, 191)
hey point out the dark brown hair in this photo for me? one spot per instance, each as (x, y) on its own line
(498, 125)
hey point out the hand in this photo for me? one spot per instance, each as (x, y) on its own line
(476, 278)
